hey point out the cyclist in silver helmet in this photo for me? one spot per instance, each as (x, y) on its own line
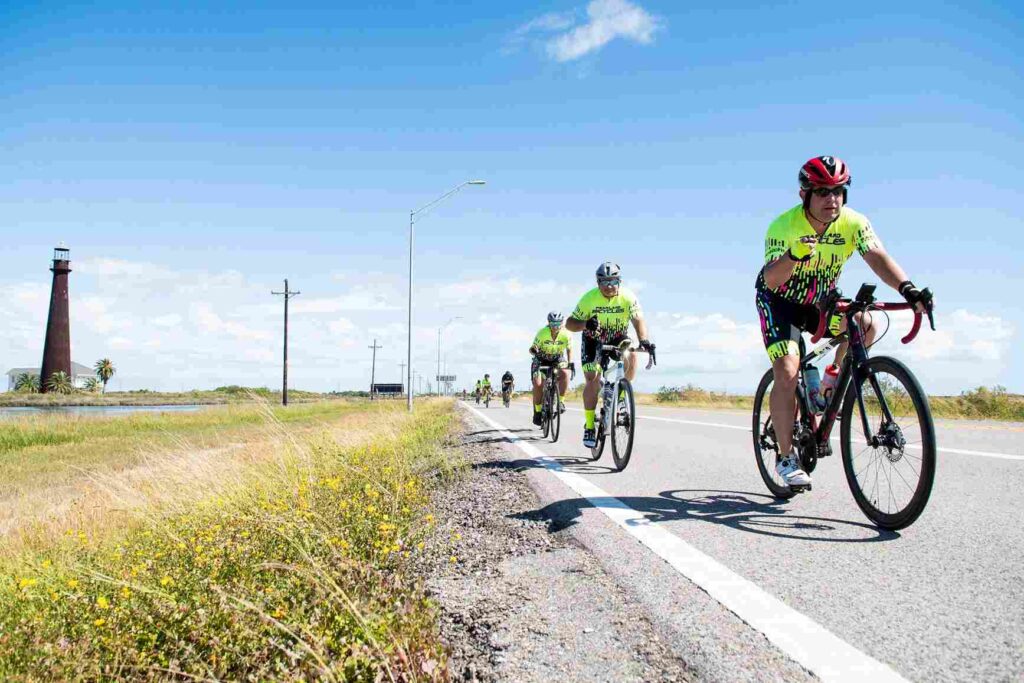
(603, 315)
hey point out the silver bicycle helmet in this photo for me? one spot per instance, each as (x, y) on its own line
(608, 270)
(555, 317)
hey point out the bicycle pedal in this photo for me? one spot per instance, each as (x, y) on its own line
(800, 489)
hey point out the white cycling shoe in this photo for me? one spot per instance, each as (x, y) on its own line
(789, 470)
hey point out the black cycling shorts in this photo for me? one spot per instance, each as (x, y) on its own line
(591, 347)
(782, 323)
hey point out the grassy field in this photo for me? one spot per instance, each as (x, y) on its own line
(249, 543)
(222, 395)
(982, 403)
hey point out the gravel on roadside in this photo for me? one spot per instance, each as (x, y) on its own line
(520, 601)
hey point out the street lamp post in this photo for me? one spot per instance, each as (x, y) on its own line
(439, 330)
(412, 223)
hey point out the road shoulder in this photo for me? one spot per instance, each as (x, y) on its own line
(520, 601)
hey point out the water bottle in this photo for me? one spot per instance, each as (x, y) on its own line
(829, 381)
(812, 379)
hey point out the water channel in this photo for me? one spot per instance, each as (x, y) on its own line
(95, 411)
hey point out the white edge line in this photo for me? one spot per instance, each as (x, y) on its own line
(803, 639)
(941, 449)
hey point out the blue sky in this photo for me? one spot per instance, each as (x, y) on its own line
(193, 155)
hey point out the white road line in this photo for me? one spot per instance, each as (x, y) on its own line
(942, 449)
(807, 642)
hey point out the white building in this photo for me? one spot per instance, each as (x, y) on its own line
(79, 374)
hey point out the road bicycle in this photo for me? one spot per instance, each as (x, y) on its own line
(487, 398)
(617, 412)
(506, 396)
(550, 410)
(890, 464)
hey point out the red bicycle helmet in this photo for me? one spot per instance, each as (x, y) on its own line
(824, 171)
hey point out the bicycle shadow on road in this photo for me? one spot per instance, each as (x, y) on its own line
(578, 465)
(741, 510)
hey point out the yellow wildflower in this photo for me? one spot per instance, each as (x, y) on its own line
(100, 622)
(125, 592)
(72, 583)
(102, 603)
(166, 581)
(46, 564)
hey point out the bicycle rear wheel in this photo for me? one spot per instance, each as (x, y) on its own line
(890, 470)
(623, 425)
(766, 445)
(556, 415)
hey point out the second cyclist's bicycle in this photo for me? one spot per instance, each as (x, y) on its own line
(887, 436)
(616, 416)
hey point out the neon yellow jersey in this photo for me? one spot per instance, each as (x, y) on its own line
(549, 349)
(812, 280)
(613, 314)
(485, 384)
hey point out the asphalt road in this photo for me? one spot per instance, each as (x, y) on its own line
(940, 600)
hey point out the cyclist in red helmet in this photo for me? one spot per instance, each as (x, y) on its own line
(805, 250)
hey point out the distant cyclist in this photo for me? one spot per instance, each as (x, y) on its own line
(604, 315)
(485, 387)
(551, 343)
(805, 250)
(478, 390)
(508, 384)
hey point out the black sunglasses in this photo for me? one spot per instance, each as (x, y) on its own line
(826, 191)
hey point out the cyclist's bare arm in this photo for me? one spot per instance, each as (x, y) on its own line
(640, 325)
(884, 266)
(574, 325)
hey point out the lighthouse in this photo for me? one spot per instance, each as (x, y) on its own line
(57, 348)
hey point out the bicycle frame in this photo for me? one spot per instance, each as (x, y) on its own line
(550, 382)
(852, 368)
(610, 378)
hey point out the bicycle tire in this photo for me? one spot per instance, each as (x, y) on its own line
(625, 409)
(556, 416)
(915, 397)
(545, 415)
(598, 448)
(764, 429)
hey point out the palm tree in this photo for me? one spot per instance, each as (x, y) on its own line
(60, 383)
(104, 370)
(27, 383)
(92, 385)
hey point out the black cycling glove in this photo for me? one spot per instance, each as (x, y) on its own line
(915, 296)
(593, 324)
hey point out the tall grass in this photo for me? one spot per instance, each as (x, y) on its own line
(297, 572)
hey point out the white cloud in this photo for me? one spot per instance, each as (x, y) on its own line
(606, 20)
(169, 320)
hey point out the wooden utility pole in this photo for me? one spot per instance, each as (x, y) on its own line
(287, 294)
(373, 366)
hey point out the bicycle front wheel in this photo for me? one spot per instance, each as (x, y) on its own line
(623, 425)
(556, 415)
(891, 468)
